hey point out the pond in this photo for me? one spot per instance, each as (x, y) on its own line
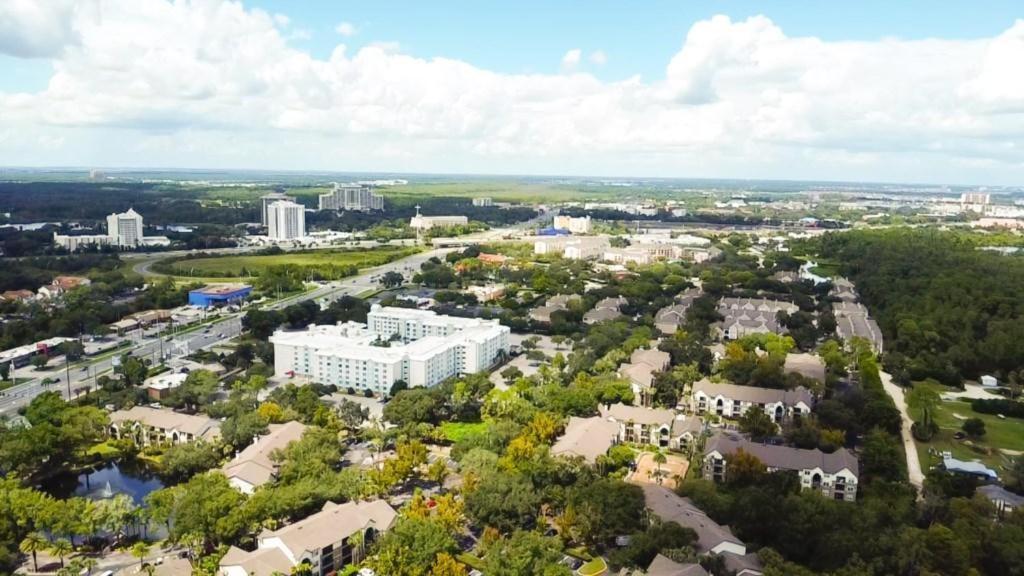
(115, 478)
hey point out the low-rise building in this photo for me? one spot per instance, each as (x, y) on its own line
(605, 309)
(76, 243)
(807, 365)
(654, 426)
(1004, 500)
(418, 347)
(712, 538)
(61, 285)
(148, 426)
(663, 566)
(322, 541)
(853, 320)
(160, 386)
(488, 292)
(832, 475)
(733, 400)
(17, 295)
(553, 304)
(974, 469)
(746, 316)
(587, 438)
(419, 222)
(581, 225)
(218, 295)
(254, 467)
(570, 248)
(640, 371)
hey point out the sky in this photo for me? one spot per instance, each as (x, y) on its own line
(908, 91)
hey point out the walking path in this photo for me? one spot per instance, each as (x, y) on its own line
(914, 473)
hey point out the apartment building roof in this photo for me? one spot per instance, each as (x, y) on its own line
(662, 566)
(754, 394)
(785, 457)
(333, 523)
(639, 415)
(586, 437)
(671, 507)
(198, 426)
(254, 464)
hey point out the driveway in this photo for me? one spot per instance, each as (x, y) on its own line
(914, 473)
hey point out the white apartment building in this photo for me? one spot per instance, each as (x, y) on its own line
(354, 197)
(580, 225)
(416, 346)
(485, 201)
(125, 229)
(266, 200)
(76, 243)
(286, 220)
(732, 400)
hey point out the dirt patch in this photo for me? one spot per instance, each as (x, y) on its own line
(673, 470)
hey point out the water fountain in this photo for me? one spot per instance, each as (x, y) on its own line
(107, 491)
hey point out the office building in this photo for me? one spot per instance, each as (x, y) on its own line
(268, 199)
(427, 222)
(286, 220)
(418, 347)
(353, 197)
(125, 229)
(483, 201)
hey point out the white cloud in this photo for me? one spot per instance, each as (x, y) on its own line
(571, 59)
(346, 29)
(598, 57)
(211, 84)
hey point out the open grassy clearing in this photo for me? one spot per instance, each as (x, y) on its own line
(1000, 433)
(254, 264)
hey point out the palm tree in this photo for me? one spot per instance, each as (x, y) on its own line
(140, 549)
(659, 459)
(31, 544)
(88, 564)
(357, 541)
(61, 548)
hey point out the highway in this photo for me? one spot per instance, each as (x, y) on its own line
(178, 345)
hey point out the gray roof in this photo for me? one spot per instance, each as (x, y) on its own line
(746, 565)
(601, 314)
(254, 464)
(737, 305)
(652, 357)
(853, 319)
(662, 566)
(692, 424)
(999, 494)
(333, 523)
(586, 437)
(671, 507)
(784, 457)
(562, 300)
(641, 374)
(650, 416)
(755, 394)
(674, 314)
(611, 303)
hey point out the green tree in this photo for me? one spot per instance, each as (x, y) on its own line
(758, 424)
(923, 400)
(182, 461)
(140, 550)
(61, 548)
(974, 427)
(411, 547)
(32, 543)
(525, 553)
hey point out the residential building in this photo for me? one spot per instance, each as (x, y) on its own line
(1004, 500)
(160, 426)
(286, 220)
(61, 285)
(17, 295)
(553, 304)
(631, 255)
(663, 566)
(254, 467)
(745, 316)
(485, 201)
(419, 222)
(732, 400)
(672, 317)
(321, 541)
(571, 248)
(833, 475)
(266, 200)
(218, 295)
(640, 371)
(654, 426)
(712, 538)
(488, 292)
(76, 243)
(353, 197)
(587, 438)
(605, 309)
(843, 289)
(418, 347)
(580, 225)
(853, 320)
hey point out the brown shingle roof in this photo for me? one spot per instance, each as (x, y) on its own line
(785, 457)
(586, 437)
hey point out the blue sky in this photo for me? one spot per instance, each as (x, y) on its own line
(869, 90)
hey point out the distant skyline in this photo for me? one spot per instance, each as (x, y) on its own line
(877, 92)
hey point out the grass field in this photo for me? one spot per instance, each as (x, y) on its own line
(254, 264)
(455, 431)
(999, 434)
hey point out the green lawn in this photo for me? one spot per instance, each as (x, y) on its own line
(595, 567)
(999, 433)
(455, 431)
(254, 264)
(104, 450)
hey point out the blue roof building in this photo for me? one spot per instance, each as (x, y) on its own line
(218, 295)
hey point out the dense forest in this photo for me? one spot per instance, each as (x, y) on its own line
(948, 310)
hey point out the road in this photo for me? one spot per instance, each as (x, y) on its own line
(179, 345)
(914, 473)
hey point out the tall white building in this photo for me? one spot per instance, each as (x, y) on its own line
(580, 225)
(355, 197)
(416, 346)
(485, 201)
(286, 220)
(266, 200)
(125, 229)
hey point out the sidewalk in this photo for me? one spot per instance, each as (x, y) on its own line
(914, 473)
